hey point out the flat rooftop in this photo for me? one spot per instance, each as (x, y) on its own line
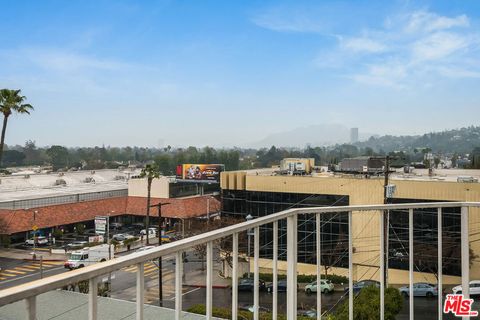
(29, 185)
(417, 174)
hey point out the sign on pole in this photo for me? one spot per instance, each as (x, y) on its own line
(101, 225)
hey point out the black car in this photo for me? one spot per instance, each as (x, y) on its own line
(281, 286)
(246, 284)
(363, 284)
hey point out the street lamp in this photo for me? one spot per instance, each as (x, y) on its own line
(249, 233)
(160, 287)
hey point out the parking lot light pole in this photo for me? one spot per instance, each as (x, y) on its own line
(160, 287)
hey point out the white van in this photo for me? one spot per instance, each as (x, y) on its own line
(88, 256)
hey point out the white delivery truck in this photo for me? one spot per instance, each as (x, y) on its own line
(89, 255)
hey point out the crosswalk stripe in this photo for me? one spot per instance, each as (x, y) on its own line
(5, 274)
(15, 271)
(53, 263)
(32, 267)
(130, 269)
(24, 269)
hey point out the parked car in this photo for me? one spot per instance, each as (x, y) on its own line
(281, 286)
(151, 231)
(246, 284)
(41, 241)
(115, 225)
(144, 248)
(420, 289)
(326, 286)
(122, 236)
(474, 288)
(363, 284)
(77, 244)
(307, 313)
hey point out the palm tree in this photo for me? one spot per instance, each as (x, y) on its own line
(11, 101)
(150, 172)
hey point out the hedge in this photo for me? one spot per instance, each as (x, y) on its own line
(366, 305)
(301, 278)
(226, 313)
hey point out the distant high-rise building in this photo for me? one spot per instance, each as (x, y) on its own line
(353, 135)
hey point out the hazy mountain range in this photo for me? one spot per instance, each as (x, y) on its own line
(315, 135)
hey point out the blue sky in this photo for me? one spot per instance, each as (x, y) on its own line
(227, 73)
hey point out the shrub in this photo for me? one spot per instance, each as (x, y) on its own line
(80, 227)
(226, 313)
(366, 305)
(57, 233)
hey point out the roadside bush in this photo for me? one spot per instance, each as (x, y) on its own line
(57, 233)
(226, 313)
(80, 227)
(366, 305)
(301, 278)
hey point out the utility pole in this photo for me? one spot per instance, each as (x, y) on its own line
(386, 219)
(160, 286)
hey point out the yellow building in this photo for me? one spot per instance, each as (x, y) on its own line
(418, 186)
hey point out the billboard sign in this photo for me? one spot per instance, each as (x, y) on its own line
(200, 171)
(101, 225)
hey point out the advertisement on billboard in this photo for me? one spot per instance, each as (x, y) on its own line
(200, 171)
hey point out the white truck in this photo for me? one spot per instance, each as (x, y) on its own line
(87, 256)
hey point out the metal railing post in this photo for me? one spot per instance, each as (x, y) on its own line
(292, 267)
(318, 236)
(439, 263)
(256, 275)
(235, 277)
(350, 267)
(410, 262)
(92, 299)
(140, 289)
(31, 308)
(209, 280)
(178, 284)
(465, 253)
(382, 265)
(275, 271)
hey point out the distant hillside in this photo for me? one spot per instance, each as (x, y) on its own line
(462, 140)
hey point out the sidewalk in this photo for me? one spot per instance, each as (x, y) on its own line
(198, 279)
(26, 254)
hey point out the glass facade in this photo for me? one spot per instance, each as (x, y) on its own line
(334, 226)
(335, 230)
(425, 239)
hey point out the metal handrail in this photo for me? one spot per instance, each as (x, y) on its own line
(34, 288)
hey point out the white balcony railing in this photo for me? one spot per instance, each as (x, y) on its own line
(31, 290)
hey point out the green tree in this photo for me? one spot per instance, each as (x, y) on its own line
(59, 156)
(150, 172)
(11, 101)
(13, 157)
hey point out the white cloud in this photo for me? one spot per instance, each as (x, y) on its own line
(424, 21)
(424, 47)
(439, 45)
(363, 44)
(66, 61)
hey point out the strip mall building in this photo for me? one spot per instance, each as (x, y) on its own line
(31, 202)
(262, 192)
